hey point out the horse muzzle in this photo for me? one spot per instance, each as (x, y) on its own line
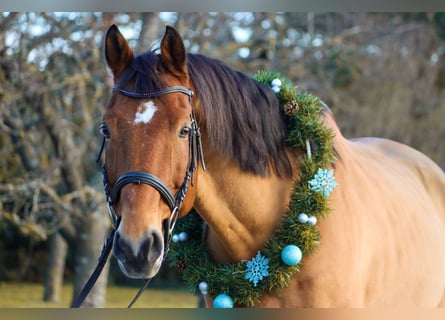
(141, 258)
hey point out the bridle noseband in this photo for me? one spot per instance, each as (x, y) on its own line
(141, 177)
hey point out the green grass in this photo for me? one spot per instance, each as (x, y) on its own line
(29, 295)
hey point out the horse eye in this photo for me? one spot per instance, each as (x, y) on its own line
(184, 132)
(103, 129)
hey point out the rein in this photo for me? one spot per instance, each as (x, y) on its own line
(141, 177)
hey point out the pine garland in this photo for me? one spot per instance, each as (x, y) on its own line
(302, 113)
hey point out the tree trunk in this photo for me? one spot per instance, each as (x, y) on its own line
(91, 236)
(56, 266)
(149, 31)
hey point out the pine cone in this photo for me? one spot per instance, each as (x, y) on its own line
(291, 108)
(180, 266)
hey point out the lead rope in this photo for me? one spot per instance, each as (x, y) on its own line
(141, 290)
(97, 271)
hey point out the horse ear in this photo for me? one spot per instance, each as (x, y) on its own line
(173, 55)
(117, 51)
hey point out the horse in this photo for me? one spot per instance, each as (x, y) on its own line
(383, 243)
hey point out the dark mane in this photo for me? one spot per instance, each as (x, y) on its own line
(241, 116)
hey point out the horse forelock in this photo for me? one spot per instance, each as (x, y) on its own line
(142, 74)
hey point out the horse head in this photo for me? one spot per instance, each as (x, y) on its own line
(151, 151)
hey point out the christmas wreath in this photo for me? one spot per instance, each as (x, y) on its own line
(272, 268)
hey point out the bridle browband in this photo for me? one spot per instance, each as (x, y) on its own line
(141, 177)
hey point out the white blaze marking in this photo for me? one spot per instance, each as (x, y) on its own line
(145, 112)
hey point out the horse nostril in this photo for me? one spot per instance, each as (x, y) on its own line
(122, 250)
(149, 249)
(152, 246)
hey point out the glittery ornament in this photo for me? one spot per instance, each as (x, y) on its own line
(203, 287)
(223, 301)
(291, 255)
(257, 269)
(276, 89)
(303, 218)
(323, 182)
(182, 236)
(276, 82)
(312, 220)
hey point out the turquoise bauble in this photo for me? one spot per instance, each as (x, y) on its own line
(291, 255)
(182, 236)
(223, 301)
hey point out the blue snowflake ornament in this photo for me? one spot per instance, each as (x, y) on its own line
(323, 182)
(257, 269)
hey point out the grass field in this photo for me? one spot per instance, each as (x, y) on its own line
(29, 295)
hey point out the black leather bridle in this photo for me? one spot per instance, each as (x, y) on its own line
(141, 177)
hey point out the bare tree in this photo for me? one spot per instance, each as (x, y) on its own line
(49, 112)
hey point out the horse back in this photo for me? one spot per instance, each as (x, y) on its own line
(395, 163)
(394, 198)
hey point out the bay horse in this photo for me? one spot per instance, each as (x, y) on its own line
(383, 244)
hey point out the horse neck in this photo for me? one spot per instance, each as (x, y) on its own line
(241, 209)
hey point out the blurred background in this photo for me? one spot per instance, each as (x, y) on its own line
(382, 74)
